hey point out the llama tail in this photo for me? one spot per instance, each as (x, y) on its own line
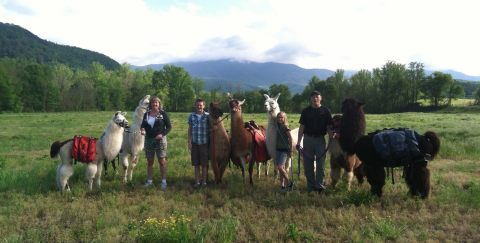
(434, 140)
(55, 148)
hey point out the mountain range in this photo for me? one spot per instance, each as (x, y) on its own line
(226, 74)
(231, 75)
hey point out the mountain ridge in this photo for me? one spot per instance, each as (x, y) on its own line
(18, 42)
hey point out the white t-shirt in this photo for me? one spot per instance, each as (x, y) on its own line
(151, 120)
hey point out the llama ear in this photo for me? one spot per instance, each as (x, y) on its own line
(241, 102)
(230, 97)
(276, 97)
(124, 113)
(266, 96)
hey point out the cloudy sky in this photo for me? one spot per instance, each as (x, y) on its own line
(332, 34)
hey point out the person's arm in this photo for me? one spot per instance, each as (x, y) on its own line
(168, 125)
(300, 136)
(189, 139)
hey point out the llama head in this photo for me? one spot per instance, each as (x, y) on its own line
(351, 105)
(144, 102)
(120, 120)
(336, 120)
(271, 103)
(214, 110)
(235, 105)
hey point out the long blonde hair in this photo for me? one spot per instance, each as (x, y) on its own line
(286, 118)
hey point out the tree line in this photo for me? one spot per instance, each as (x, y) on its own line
(28, 86)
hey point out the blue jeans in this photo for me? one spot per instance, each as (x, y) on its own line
(314, 152)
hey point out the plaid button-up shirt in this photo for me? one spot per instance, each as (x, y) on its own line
(199, 126)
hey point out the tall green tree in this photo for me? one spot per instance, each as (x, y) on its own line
(455, 91)
(476, 96)
(415, 77)
(99, 76)
(436, 87)
(176, 83)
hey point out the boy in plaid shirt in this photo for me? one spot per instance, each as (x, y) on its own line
(198, 142)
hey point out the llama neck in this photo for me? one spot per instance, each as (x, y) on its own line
(272, 115)
(138, 115)
(236, 122)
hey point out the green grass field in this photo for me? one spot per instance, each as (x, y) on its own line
(32, 210)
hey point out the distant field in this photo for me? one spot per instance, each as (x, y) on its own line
(32, 210)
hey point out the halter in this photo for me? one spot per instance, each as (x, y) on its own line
(123, 123)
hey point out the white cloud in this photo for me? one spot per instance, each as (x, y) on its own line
(348, 34)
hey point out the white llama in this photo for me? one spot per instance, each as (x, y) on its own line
(272, 108)
(107, 147)
(133, 140)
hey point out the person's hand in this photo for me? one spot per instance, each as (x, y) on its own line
(159, 136)
(298, 147)
(142, 132)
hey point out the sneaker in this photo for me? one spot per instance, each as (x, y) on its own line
(163, 185)
(290, 186)
(148, 184)
(204, 184)
(197, 185)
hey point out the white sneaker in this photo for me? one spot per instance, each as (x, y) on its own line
(148, 184)
(163, 185)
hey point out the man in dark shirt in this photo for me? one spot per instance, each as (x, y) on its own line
(314, 122)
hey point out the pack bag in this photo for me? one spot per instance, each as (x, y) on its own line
(84, 149)
(259, 141)
(397, 146)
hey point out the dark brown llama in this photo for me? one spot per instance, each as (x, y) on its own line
(418, 149)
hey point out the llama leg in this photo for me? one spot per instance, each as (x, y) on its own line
(132, 166)
(64, 171)
(349, 170)
(124, 162)
(90, 174)
(376, 178)
(359, 172)
(267, 167)
(250, 170)
(418, 180)
(259, 167)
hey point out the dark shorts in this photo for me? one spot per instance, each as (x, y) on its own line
(154, 146)
(199, 154)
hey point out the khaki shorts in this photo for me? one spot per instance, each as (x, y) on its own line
(154, 146)
(199, 154)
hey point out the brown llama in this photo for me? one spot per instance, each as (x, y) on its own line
(241, 142)
(388, 148)
(219, 142)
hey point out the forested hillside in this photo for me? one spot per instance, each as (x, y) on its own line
(17, 42)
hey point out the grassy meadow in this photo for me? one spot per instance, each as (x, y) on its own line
(32, 209)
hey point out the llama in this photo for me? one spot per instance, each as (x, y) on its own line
(219, 142)
(107, 147)
(338, 159)
(242, 143)
(272, 107)
(415, 150)
(133, 140)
